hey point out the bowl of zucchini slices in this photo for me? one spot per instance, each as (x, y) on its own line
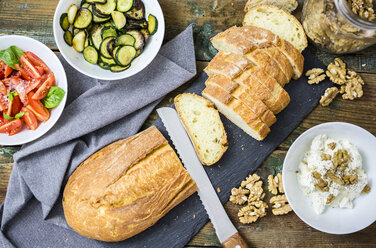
(109, 39)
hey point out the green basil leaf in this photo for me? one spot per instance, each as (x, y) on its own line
(8, 57)
(9, 118)
(10, 96)
(15, 93)
(17, 52)
(19, 115)
(54, 97)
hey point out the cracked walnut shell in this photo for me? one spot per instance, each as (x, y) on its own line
(328, 97)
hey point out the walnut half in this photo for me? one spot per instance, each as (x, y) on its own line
(328, 97)
(280, 205)
(252, 212)
(315, 75)
(275, 184)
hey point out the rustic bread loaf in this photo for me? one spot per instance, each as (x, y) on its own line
(125, 187)
(282, 61)
(236, 112)
(288, 5)
(242, 40)
(278, 21)
(244, 95)
(204, 126)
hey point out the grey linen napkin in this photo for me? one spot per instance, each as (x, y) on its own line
(97, 113)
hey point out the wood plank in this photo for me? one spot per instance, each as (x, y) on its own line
(33, 19)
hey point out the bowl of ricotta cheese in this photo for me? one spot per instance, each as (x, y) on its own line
(328, 177)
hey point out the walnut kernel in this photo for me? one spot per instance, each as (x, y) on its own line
(337, 71)
(328, 97)
(330, 199)
(252, 212)
(366, 189)
(280, 205)
(239, 195)
(315, 75)
(249, 181)
(332, 145)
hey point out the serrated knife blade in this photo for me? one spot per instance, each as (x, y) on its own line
(226, 232)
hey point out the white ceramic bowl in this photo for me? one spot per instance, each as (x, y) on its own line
(42, 51)
(77, 60)
(333, 220)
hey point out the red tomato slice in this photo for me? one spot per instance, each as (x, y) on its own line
(38, 109)
(24, 74)
(36, 60)
(45, 87)
(8, 70)
(30, 119)
(3, 89)
(16, 105)
(39, 69)
(29, 67)
(12, 127)
(35, 83)
(2, 119)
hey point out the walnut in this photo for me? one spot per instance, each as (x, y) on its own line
(332, 145)
(330, 199)
(275, 184)
(366, 189)
(316, 175)
(326, 156)
(363, 8)
(322, 185)
(280, 205)
(249, 181)
(328, 97)
(335, 179)
(252, 212)
(256, 192)
(342, 167)
(315, 75)
(353, 87)
(337, 71)
(239, 195)
(350, 179)
(340, 157)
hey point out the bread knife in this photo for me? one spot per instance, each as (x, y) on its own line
(226, 231)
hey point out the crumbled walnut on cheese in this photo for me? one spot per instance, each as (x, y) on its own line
(322, 185)
(275, 184)
(353, 87)
(330, 199)
(280, 205)
(239, 195)
(340, 157)
(252, 212)
(256, 192)
(316, 175)
(332, 145)
(315, 75)
(326, 156)
(328, 97)
(250, 180)
(350, 179)
(335, 179)
(366, 189)
(337, 71)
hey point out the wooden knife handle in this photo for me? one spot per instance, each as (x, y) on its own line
(235, 241)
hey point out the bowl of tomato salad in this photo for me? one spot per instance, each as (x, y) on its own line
(33, 89)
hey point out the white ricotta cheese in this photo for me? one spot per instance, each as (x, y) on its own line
(344, 193)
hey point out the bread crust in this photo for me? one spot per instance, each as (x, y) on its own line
(125, 187)
(293, 55)
(223, 139)
(282, 61)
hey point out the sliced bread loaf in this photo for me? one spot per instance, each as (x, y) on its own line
(204, 126)
(279, 21)
(245, 96)
(282, 61)
(288, 5)
(236, 112)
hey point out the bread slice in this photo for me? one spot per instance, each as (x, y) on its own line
(204, 126)
(242, 40)
(227, 64)
(280, 22)
(236, 112)
(282, 61)
(288, 5)
(245, 96)
(270, 66)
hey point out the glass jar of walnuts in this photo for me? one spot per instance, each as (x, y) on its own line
(340, 26)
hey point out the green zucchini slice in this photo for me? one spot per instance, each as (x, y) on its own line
(111, 47)
(152, 24)
(125, 55)
(119, 19)
(137, 11)
(96, 35)
(79, 41)
(90, 55)
(108, 61)
(86, 5)
(68, 37)
(96, 1)
(97, 19)
(118, 68)
(140, 41)
(136, 24)
(124, 5)
(83, 18)
(103, 48)
(114, 53)
(125, 40)
(105, 9)
(72, 12)
(103, 65)
(146, 34)
(64, 23)
(109, 31)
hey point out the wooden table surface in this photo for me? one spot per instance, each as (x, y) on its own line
(33, 18)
